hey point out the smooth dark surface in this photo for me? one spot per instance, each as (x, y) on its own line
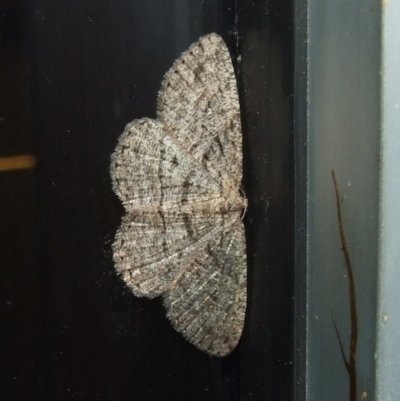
(266, 81)
(72, 75)
(300, 187)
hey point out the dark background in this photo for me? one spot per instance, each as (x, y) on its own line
(72, 74)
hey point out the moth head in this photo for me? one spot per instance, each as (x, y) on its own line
(235, 201)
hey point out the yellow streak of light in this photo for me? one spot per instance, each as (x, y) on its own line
(17, 162)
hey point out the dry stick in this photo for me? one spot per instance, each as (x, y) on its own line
(350, 364)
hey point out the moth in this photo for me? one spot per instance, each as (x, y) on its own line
(179, 178)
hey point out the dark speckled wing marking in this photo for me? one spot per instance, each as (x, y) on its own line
(198, 102)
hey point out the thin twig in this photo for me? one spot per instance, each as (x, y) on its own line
(345, 361)
(351, 365)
